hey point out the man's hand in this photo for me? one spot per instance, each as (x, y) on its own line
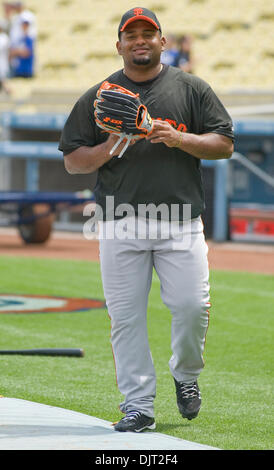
(210, 146)
(164, 133)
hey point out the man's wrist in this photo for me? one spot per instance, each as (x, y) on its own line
(107, 146)
(180, 140)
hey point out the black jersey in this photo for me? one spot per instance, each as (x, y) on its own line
(152, 173)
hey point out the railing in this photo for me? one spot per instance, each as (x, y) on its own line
(33, 152)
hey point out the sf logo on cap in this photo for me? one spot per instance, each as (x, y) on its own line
(138, 11)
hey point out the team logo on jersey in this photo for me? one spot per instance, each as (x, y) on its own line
(13, 303)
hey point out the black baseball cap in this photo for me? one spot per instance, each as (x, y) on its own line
(136, 14)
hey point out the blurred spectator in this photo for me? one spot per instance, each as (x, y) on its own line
(16, 13)
(4, 57)
(22, 54)
(8, 11)
(170, 55)
(185, 59)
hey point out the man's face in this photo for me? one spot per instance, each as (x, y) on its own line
(140, 44)
(25, 27)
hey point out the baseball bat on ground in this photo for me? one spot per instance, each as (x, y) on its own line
(45, 352)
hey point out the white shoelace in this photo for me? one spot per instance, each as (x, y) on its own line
(189, 390)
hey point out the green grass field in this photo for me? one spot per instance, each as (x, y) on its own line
(236, 384)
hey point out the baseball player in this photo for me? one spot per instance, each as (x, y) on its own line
(159, 123)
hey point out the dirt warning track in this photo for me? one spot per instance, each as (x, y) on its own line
(233, 256)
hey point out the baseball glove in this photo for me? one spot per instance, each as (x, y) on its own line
(119, 111)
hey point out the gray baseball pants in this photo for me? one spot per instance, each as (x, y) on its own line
(127, 267)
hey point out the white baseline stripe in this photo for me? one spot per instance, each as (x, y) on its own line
(244, 290)
(237, 290)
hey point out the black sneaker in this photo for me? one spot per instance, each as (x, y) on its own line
(188, 399)
(135, 421)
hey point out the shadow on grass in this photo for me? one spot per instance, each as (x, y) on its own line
(170, 427)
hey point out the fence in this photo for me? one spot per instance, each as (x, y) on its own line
(33, 152)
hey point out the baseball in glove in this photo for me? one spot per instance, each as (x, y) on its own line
(119, 111)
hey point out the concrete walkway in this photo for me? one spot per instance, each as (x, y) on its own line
(25, 425)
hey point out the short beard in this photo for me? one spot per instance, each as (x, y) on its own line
(142, 61)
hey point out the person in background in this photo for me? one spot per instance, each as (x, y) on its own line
(7, 12)
(170, 55)
(17, 14)
(22, 55)
(4, 57)
(185, 59)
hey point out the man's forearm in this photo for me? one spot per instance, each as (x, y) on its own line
(87, 159)
(210, 146)
(206, 146)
